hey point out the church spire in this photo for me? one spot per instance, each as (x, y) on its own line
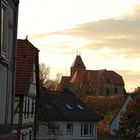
(77, 65)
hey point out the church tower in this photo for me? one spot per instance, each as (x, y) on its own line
(77, 65)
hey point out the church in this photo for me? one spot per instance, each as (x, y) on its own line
(85, 82)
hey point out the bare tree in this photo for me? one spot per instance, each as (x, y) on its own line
(46, 83)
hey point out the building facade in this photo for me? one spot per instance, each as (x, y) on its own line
(8, 28)
(27, 88)
(92, 82)
(63, 116)
(115, 123)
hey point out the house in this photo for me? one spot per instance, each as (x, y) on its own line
(92, 82)
(62, 116)
(27, 89)
(8, 37)
(114, 125)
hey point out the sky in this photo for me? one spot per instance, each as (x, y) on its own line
(106, 33)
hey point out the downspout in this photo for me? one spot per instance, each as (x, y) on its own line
(38, 92)
(14, 60)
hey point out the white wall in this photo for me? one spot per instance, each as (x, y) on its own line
(29, 104)
(28, 110)
(32, 90)
(115, 123)
(62, 135)
(27, 134)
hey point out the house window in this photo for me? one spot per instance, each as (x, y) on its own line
(94, 91)
(28, 107)
(69, 129)
(33, 108)
(68, 106)
(107, 91)
(80, 107)
(2, 48)
(23, 136)
(115, 90)
(86, 130)
(30, 135)
(101, 91)
(24, 107)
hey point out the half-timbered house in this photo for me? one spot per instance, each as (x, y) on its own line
(27, 71)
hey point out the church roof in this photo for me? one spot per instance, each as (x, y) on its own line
(78, 62)
(97, 76)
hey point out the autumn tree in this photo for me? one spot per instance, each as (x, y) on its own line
(130, 120)
(46, 83)
(137, 90)
(105, 108)
(102, 105)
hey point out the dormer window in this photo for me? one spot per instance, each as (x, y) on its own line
(68, 106)
(48, 106)
(80, 107)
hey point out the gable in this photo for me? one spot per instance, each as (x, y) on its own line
(25, 61)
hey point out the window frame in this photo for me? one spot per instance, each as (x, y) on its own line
(115, 90)
(69, 131)
(107, 91)
(3, 23)
(87, 130)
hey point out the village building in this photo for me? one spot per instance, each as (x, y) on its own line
(8, 37)
(27, 89)
(62, 116)
(92, 82)
(115, 123)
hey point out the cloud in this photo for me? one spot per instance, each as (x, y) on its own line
(131, 78)
(120, 34)
(45, 35)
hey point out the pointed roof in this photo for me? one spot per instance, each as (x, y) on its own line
(25, 60)
(78, 62)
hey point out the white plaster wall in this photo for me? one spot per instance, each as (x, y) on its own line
(26, 133)
(32, 90)
(28, 118)
(43, 132)
(16, 115)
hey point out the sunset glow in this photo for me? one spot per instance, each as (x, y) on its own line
(105, 32)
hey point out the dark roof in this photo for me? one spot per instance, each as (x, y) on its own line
(25, 60)
(78, 62)
(63, 107)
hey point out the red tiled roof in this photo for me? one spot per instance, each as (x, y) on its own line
(98, 76)
(25, 60)
(65, 79)
(111, 77)
(78, 63)
(79, 77)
